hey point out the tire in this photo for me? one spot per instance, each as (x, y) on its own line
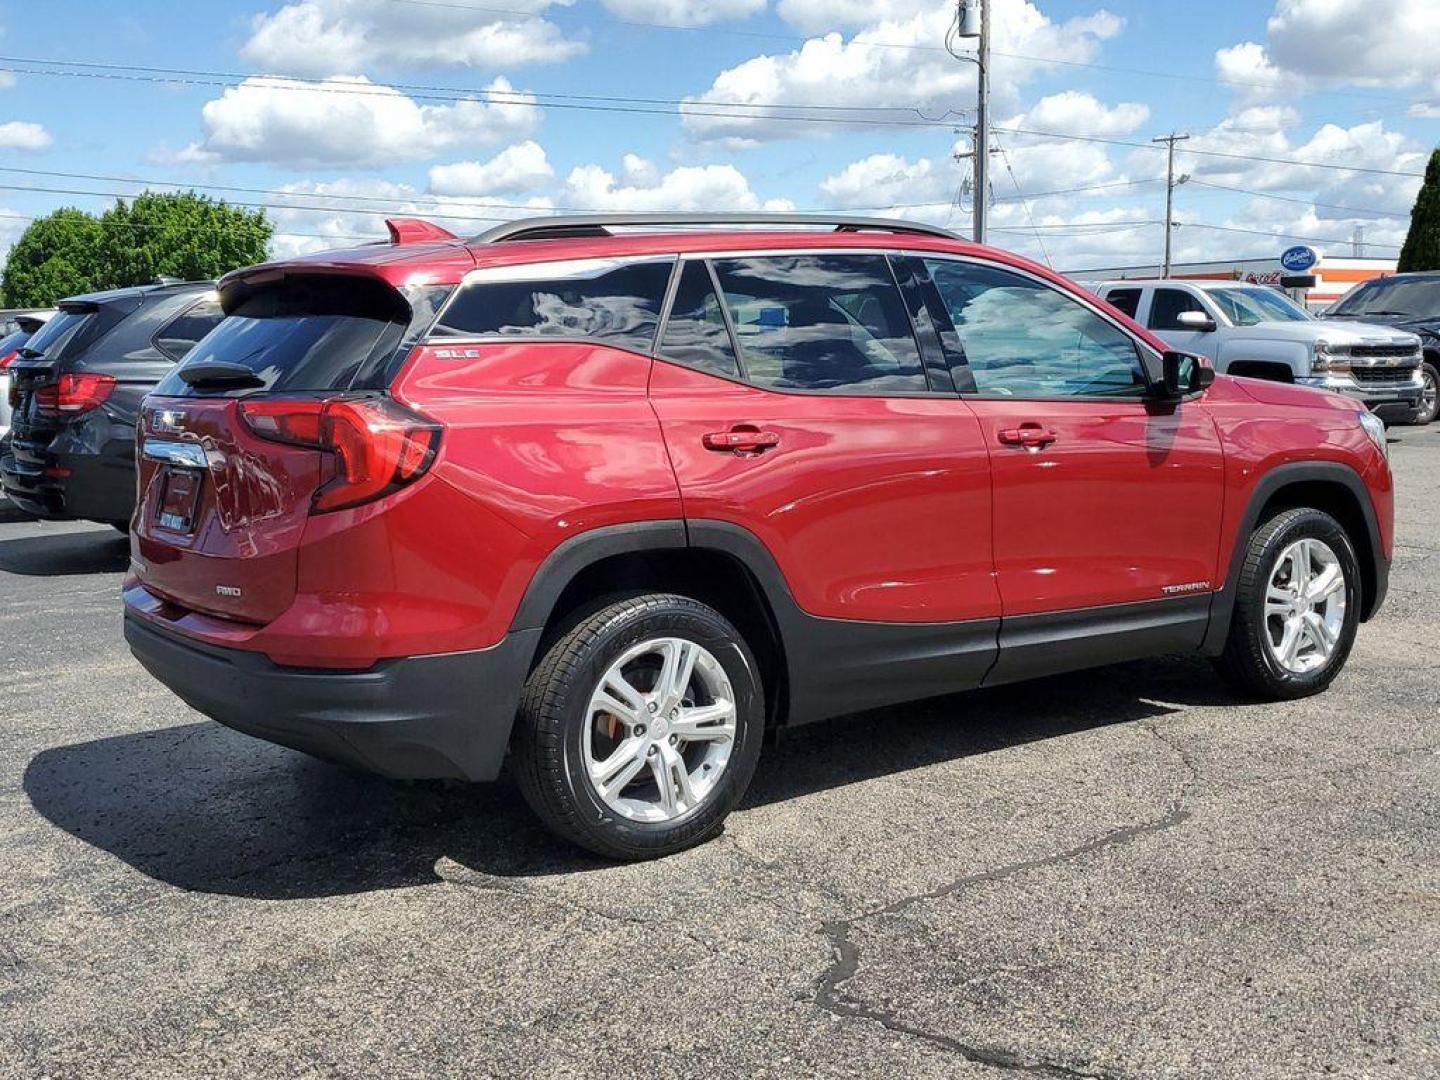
(1250, 659)
(1428, 410)
(559, 737)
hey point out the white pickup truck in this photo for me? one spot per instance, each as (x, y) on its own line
(1258, 332)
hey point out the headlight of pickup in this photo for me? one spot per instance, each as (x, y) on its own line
(1375, 428)
(1327, 356)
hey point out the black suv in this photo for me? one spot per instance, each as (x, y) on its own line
(75, 393)
(1408, 302)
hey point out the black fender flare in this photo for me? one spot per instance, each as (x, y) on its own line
(1277, 478)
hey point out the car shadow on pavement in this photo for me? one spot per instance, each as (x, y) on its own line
(205, 809)
(66, 554)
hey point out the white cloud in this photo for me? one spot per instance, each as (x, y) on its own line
(684, 12)
(642, 188)
(316, 38)
(910, 72)
(349, 120)
(1337, 42)
(516, 168)
(23, 135)
(1073, 112)
(886, 180)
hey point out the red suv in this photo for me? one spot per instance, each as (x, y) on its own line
(615, 498)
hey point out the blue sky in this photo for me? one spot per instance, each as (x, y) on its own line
(361, 107)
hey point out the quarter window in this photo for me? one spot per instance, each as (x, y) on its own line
(1023, 338)
(599, 299)
(180, 334)
(821, 322)
(695, 333)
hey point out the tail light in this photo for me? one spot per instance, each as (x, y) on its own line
(377, 445)
(73, 394)
(8, 358)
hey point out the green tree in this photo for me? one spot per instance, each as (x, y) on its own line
(1422, 243)
(57, 256)
(186, 236)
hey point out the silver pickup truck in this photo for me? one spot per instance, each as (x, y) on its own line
(1258, 332)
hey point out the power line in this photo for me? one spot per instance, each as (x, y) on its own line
(1276, 235)
(683, 109)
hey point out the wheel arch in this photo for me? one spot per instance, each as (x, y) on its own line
(1329, 486)
(726, 568)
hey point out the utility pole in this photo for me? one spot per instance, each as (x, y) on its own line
(1171, 183)
(967, 25)
(1357, 242)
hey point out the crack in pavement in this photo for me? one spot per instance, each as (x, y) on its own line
(845, 965)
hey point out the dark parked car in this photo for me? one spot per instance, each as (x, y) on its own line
(1408, 302)
(75, 392)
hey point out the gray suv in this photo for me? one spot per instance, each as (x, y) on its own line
(1256, 331)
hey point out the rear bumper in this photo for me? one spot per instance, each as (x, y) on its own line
(420, 717)
(74, 481)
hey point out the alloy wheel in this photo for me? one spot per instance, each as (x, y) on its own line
(660, 730)
(1305, 606)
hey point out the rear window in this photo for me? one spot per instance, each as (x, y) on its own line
(51, 340)
(304, 334)
(593, 299)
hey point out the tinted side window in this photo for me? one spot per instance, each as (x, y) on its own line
(821, 322)
(181, 333)
(601, 299)
(696, 334)
(1023, 338)
(1166, 307)
(1126, 300)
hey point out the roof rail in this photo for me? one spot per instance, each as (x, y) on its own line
(563, 227)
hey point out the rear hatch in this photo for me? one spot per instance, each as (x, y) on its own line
(237, 446)
(57, 350)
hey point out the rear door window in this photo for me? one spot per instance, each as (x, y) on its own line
(179, 335)
(607, 300)
(822, 322)
(1126, 300)
(305, 333)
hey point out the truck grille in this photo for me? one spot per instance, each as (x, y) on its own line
(1382, 376)
(1382, 350)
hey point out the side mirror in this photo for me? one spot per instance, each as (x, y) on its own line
(1195, 320)
(1183, 373)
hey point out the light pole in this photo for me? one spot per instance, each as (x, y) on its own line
(1171, 183)
(973, 21)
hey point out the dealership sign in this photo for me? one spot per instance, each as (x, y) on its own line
(1298, 259)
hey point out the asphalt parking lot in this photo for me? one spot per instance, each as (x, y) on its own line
(1124, 873)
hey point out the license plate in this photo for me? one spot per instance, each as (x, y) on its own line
(179, 499)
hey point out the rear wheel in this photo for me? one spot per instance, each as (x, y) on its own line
(640, 729)
(1296, 608)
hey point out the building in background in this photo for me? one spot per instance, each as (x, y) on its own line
(1308, 276)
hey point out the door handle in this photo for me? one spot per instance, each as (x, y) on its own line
(1030, 436)
(740, 439)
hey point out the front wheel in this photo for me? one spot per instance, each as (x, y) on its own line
(1429, 394)
(1296, 608)
(640, 728)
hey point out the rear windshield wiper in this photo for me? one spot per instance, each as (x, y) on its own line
(219, 374)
